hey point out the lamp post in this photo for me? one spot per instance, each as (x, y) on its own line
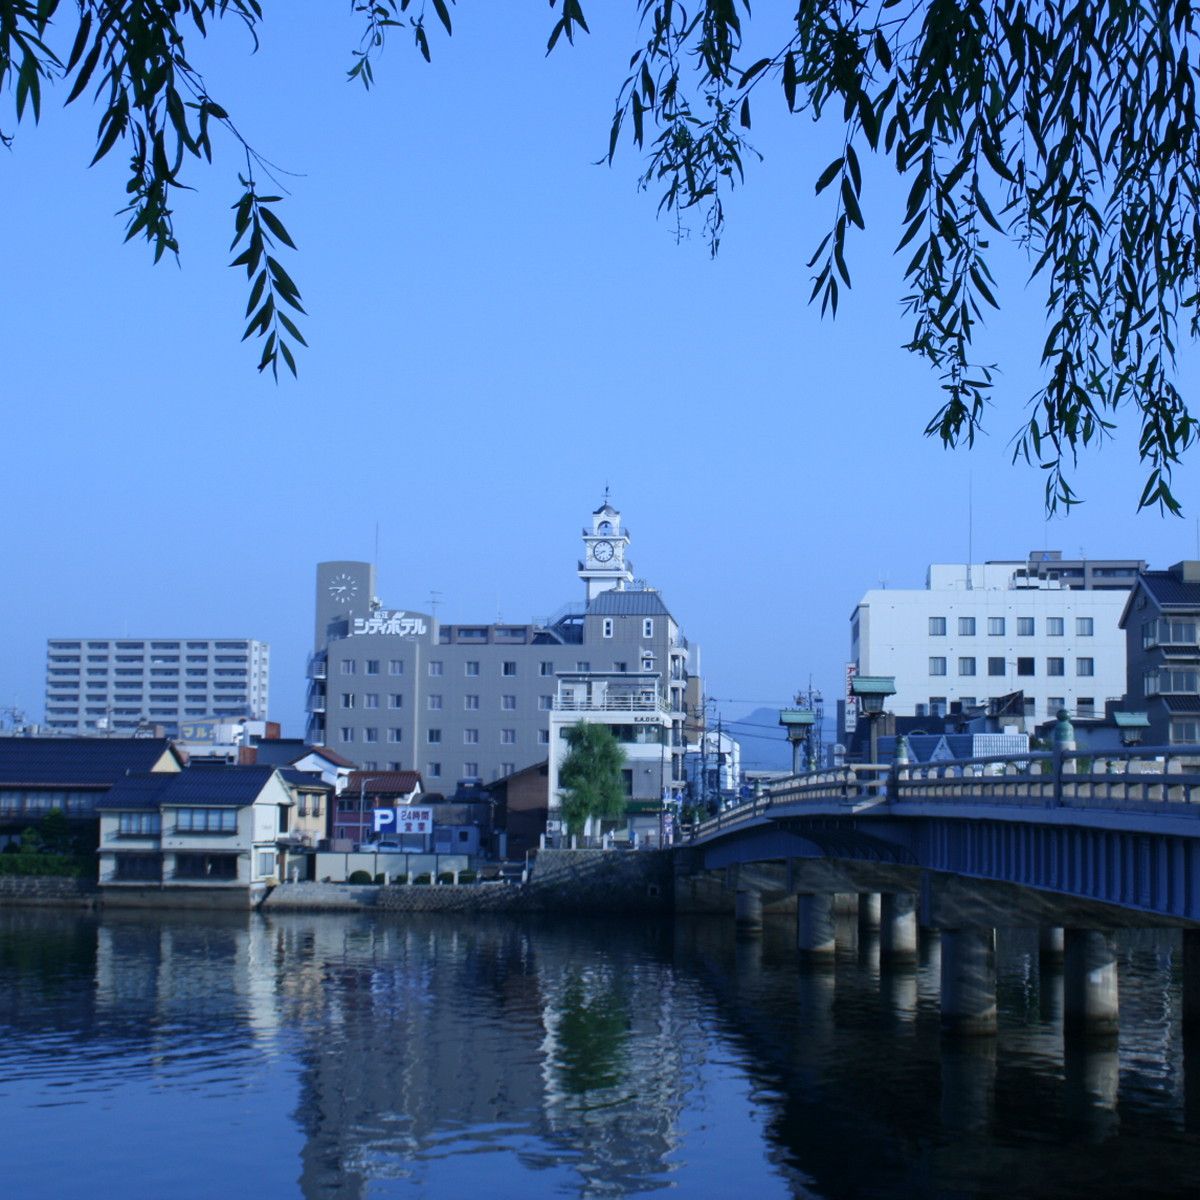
(798, 723)
(362, 802)
(873, 692)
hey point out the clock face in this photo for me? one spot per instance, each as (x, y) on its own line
(602, 551)
(343, 588)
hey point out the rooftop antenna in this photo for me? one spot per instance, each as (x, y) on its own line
(435, 598)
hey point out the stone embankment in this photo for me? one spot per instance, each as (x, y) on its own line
(583, 882)
(46, 891)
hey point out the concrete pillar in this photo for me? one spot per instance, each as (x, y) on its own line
(845, 904)
(1090, 995)
(1191, 978)
(968, 982)
(814, 925)
(1050, 943)
(898, 927)
(748, 911)
(868, 910)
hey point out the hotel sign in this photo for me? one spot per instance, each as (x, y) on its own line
(404, 820)
(389, 621)
(851, 699)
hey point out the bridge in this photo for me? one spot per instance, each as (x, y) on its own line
(1076, 844)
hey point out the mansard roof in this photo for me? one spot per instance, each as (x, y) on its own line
(628, 602)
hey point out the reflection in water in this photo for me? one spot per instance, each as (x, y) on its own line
(341, 1057)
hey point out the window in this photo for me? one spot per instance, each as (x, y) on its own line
(435, 667)
(937, 626)
(621, 666)
(433, 736)
(966, 626)
(206, 820)
(372, 666)
(545, 703)
(607, 627)
(471, 702)
(508, 737)
(139, 824)
(543, 737)
(471, 667)
(1054, 627)
(1025, 627)
(470, 770)
(648, 664)
(139, 867)
(1054, 703)
(995, 626)
(1029, 706)
(395, 666)
(1085, 706)
(1084, 627)
(347, 734)
(1182, 733)
(546, 668)
(1056, 666)
(395, 700)
(394, 735)
(371, 700)
(206, 866)
(348, 666)
(508, 703)
(508, 668)
(507, 768)
(471, 738)
(347, 699)
(370, 735)
(966, 666)
(583, 666)
(648, 627)
(434, 770)
(1025, 666)
(937, 666)
(434, 703)
(937, 706)
(1085, 666)
(266, 862)
(996, 666)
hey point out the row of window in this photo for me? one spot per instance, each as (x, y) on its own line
(471, 701)
(1166, 681)
(1024, 666)
(433, 770)
(606, 627)
(1026, 626)
(1085, 706)
(436, 667)
(1168, 633)
(153, 645)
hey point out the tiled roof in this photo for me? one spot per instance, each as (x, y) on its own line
(84, 762)
(331, 756)
(1182, 704)
(221, 786)
(304, 779)
(1169, 590)
(627, 603)
(376, 782)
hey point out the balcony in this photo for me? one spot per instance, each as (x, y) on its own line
(317, 666)
(608, 701)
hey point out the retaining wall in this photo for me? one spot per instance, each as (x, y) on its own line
(47, 891)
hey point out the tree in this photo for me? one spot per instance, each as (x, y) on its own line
(589, 779)
(1065, 127)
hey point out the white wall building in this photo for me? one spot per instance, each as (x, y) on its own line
(1045, 627)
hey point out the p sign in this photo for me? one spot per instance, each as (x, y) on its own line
(385, 820)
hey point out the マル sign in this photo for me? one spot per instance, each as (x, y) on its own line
(417, 821)
(394, 622)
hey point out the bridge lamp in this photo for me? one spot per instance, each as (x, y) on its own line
(1130, 725)
(872, 692)
(798, 723)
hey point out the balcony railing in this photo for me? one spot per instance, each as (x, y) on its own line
(612, 703)
(317, 667)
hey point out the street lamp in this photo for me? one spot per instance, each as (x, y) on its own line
(362, 802)
(1131, 725)
(798, 722)
(872, 692)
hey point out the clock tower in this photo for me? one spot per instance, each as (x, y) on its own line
(604, 565)
(344, 590)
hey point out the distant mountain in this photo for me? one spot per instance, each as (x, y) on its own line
(764, 744)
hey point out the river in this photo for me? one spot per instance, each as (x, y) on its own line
(165, 1055)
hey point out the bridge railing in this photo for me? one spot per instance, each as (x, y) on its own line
(1158, 777)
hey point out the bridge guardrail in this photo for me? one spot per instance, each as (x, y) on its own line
(1146, 777)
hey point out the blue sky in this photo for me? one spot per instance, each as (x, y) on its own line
(498, 328)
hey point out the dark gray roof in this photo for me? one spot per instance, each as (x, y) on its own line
(83, 762)
(280, 751)
(1181, 704)
(1168, 589)
(220, 786)
(628, 603)
(304, 779)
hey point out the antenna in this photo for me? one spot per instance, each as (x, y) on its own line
(435, 598)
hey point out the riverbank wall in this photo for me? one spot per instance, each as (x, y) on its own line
(47, 891)
(583, 882)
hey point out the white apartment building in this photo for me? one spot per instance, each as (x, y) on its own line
(96, 685)
(1046, 627)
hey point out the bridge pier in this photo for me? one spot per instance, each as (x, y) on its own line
(845, 904)
(898, 927)
(1090, 992)
(748, 911)
(868, 910)
(968, 982)
(815, 936)
(1050, 943)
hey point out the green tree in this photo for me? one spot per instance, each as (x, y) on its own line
(1068, 128)
(589, 779)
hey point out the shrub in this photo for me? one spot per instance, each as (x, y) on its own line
(446, 877)
(381, 878)
(401, 878)
(422, 878)
(466, 877)
(41, 864)
(360, 877)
